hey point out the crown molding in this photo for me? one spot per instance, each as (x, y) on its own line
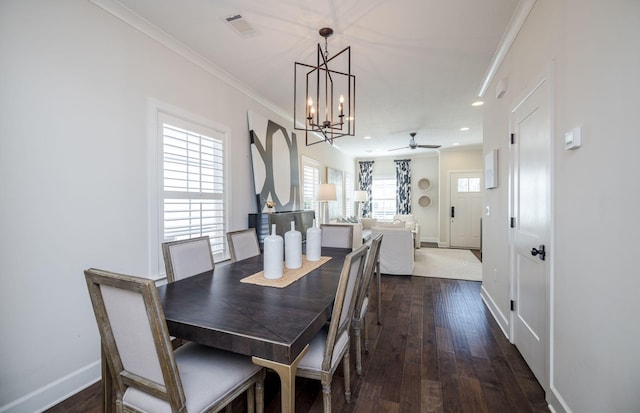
(144, 26)
(509, 36)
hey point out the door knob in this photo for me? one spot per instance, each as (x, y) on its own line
(539, 251)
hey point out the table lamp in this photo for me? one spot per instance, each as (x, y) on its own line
(359, 197)
(326, 193)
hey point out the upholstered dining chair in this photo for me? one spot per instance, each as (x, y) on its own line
(148, 376)
(243, 244)
(362, 302)
(331, 344)
(184, 258)
(337, 236)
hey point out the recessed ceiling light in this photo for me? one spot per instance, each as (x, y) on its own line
(456, 144)
(367, 137)
(464, 129)
(477, 103)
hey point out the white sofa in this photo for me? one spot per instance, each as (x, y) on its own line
(402, 221)
(396, 251)
(410, 222)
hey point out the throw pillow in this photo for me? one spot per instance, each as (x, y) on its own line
(368, 223)
(399, 224)
(408, 224)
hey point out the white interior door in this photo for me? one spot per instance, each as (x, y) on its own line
(466, 209)
(531, 150)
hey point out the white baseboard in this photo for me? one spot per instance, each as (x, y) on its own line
(556, 402)
(500, 318)
(56, 391)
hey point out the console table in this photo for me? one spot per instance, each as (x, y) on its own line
(262, 222)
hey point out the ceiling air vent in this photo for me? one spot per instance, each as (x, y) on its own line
(240, 25)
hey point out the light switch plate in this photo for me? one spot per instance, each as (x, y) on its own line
(573, 139)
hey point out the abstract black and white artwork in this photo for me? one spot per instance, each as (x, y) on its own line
(274, 157)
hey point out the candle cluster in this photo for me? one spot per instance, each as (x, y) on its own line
(311, 113)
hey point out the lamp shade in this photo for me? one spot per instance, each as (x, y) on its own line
(326, 192)
(360, 196)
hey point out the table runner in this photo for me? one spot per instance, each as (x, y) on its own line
(288, 275)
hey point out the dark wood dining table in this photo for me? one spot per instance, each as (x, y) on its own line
(272, 325)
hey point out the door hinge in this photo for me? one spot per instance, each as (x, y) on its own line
(513, 305)
(512, 222)
(513, 138)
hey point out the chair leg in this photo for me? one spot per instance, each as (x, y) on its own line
(365, 330)
(260, 393)
(356, 333)
(347, 377)
(379, 309)
(251, 400)
(326, 396)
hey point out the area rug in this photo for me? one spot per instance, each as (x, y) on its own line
(447, 263)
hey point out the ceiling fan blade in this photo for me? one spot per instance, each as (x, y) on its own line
(429, 146)
(395, 149)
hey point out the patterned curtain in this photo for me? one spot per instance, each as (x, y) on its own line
(366, 182)
(403, 187)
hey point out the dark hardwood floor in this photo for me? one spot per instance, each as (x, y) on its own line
(438, 350)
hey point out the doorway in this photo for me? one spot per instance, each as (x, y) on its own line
(465, 209)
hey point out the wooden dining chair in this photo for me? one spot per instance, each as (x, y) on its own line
(243, 244)
(337, 236)
(184, 258)
(331, 344)
(147, 374)
(362, 302)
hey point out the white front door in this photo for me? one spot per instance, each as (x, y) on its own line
(466, 209)
(531, 176)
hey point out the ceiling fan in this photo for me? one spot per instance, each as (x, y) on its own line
(413, 144)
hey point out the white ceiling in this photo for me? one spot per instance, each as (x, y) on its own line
(419, 64)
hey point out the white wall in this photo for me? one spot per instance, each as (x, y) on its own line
(593, 48)
(423, 166)
(75, 87)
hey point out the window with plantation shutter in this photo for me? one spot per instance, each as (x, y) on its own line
(310, 182)
(348, 194)
(193, 183)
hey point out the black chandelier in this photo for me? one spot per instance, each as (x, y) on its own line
(316, 98)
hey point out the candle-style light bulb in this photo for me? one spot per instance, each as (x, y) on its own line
(340, 106)
(309, 108)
